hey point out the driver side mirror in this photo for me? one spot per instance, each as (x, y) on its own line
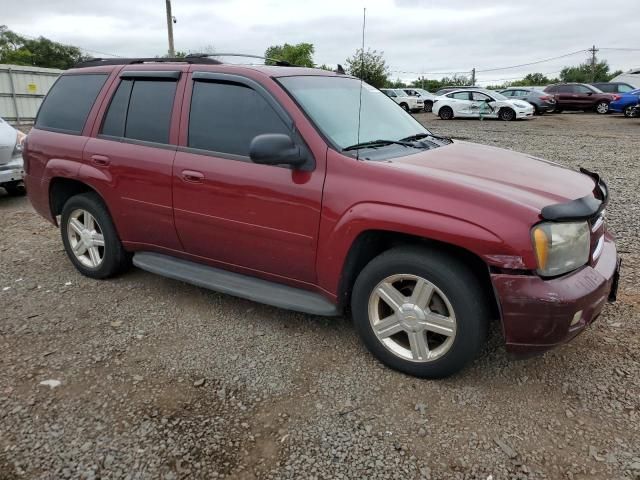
(275, 149)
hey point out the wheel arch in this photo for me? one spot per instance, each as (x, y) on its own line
(371, 243)
(61, 189)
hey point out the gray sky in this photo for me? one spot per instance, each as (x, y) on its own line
(415, 35)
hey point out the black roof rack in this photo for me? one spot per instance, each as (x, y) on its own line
(97, 62)
(277, 62)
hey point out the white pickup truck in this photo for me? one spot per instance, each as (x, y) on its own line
(408, 102)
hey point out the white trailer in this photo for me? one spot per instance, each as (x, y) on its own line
(22, 89)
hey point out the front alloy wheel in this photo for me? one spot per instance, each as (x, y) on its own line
(412, 318)
(421, 311)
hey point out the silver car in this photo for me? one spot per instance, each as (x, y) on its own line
(11, 166)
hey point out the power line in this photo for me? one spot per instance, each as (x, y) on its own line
(620, 48)
(74, 46)
(532, 63)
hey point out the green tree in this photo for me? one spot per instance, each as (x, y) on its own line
(583, 73)
(397, 83)
(40, 52)
(370, 66)
(532, 79)
(300, 54)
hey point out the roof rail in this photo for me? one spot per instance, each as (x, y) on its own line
(97, 62)
(277, 62)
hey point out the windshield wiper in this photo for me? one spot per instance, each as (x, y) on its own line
(379, 143)
(420, 136)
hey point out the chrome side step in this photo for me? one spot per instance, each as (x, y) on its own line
(238, 285)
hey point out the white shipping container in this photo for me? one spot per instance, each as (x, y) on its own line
(22, 89)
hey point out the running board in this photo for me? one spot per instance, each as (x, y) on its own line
(251, 288)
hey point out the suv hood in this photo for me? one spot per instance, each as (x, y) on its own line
(515, 177)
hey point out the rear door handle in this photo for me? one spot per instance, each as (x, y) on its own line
(192, 176)
(100, 160)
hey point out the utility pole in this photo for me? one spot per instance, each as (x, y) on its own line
(172, 52)
(473, 76)
(593, 51)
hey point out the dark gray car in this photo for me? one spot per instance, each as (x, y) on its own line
(542, 102)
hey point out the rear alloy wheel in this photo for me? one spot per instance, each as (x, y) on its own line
(428, 106)
(602, 107)
(405, 107)
(90, 238)
(507, 114)
(445, 113)
(420, 311)
(629, 111)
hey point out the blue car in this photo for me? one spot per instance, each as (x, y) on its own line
(625, 103)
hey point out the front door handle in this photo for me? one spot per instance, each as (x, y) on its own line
(100, 160)
(192, 176)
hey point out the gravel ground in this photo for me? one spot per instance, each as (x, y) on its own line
(159, 379)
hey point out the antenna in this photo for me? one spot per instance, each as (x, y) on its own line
(364, 22)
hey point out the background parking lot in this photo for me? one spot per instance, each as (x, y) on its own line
(162, 379)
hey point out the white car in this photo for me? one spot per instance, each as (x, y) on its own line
(480, 103)
(409, 103)
(11, 166)
(427, 97)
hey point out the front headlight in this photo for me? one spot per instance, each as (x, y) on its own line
(560, 247)
(521, 105)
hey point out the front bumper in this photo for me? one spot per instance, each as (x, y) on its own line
(537, 313)
(524, 112)
(12, 171)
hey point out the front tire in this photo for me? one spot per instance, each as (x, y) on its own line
(445, 113)
(629, 111)
(90, 238)
(428, 106)
(421, 312)
(507, 114)
(602, 107)
(15, 189)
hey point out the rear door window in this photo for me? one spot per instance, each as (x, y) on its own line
(67, 106)
(226, 117)
(141, 110)
(459, 95)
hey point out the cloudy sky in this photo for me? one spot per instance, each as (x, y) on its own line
(429, 36)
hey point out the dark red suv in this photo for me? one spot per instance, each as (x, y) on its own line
(308, 190)
(580, 96)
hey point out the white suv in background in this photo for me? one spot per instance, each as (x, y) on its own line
(409, 103)
(11, 166)
(427, 97)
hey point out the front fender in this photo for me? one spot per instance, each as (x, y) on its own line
(336, 238)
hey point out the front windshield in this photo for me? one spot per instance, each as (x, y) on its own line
(332, 104)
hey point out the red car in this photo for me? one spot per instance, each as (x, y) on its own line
(580, 96)
(308, 190)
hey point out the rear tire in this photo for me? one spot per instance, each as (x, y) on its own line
(445, 113)
(86, 223)
(428, 106)
(602, 107)
(629, 111)
(405, 107)
(449, 300)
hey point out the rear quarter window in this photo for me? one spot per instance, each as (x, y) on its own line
(66, 108)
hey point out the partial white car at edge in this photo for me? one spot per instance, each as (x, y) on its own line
(11, 165)
(480, 103)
